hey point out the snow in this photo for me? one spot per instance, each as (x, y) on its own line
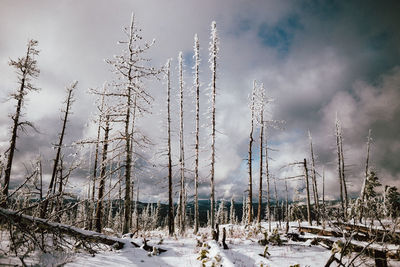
(243, 251)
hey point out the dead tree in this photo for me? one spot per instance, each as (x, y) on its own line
(196, 167)
(260, 172)
(250, 156)
(323, 195)
(346, 199)
(267, 175)
(213, 49)
(100, 198)
(131, 69)
(96, 153)
(260, 119)
(276, 215)
(308, 192)
(287, 207)
(26, 69)
(369, 139)
(343, 187)
(170, 200)
(314, 179)
(67, 112)
(182, 205)
(337, 126)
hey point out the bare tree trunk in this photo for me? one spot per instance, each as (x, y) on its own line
(366, 174)
(346, 199)
(26, 69)
(60, 198)
(314, 179)
(276, 204)
(339, 164)
(250, 158)
(137, 203)
(267, 174)
(182, 151)
(96, 154)
(308, 193)
(323, 194)
(196, 168)
(287, 207)
(213, 60)
(99, 209)
(170, 200)
(261, 169)
(69, 102)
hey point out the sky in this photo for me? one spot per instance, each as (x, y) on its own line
(315, 58)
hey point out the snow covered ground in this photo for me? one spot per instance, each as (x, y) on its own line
(243, 250)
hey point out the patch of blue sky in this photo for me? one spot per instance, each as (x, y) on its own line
(325, 9)
(241, 26)
(379, 41)
(188, 59)
(280, 36)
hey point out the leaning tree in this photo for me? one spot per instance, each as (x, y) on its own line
(26, 69)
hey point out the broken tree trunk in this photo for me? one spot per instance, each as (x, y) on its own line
(25, 221)
(308, 192)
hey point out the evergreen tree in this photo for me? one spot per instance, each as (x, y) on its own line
(392, 201)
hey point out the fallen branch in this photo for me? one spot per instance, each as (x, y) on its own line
(27, 222)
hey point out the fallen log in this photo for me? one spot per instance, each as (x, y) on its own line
(387, 236)
(41, 225)
(355, 247)
(325, 232)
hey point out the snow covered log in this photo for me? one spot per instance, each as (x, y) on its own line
(389, 236)
(328, 237)
(26, 222)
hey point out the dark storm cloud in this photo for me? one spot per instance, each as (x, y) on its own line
(315, 58)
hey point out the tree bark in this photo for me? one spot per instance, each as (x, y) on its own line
(182, 151)
(366, 174)
(196, 168)
(100, 200)
(339, 165)
(213, 60)
(308, 193)
(170, 200)
(26, 68)
(314, 180)
(346, 199)
(250, 158)
(261, 170)
(59, 147)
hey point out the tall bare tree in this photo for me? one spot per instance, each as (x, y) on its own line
(314, 178)
(343, 187)
(261, 167)
(369, 139)
(170, 200)
(26, 69)
(96, 153)
(213, 49)
(346, 199)
(250, 155)
(131, 68)
(308, 192)
(100, 197)
(197, 148)
(182, 206)
(67, 112)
